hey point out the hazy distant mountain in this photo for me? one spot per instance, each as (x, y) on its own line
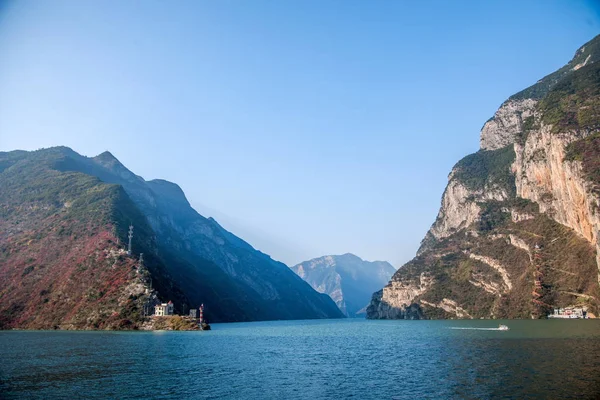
(347, 279)
(63, 227)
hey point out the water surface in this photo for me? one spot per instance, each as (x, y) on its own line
(324, 359)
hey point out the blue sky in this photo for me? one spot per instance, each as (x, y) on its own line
(306, 127)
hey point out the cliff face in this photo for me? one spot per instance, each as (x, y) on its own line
(517, 231)
(558, 186)
(347, 279)
(502, 129)
(461, 206)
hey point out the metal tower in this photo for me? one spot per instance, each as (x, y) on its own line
(130, 236)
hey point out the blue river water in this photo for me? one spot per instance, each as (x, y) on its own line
(317, 359)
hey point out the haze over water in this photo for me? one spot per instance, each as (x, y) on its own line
(318, 359)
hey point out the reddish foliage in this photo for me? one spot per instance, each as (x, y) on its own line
(48, 279)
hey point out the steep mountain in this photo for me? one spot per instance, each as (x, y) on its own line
(62, 262)
(517, 231)
(347, 279)
(204, 262)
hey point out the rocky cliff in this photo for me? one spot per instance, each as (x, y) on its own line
(517, 231)
(347, 279)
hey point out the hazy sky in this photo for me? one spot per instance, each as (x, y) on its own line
(306, 127)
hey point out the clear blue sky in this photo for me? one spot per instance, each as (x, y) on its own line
(305, 127)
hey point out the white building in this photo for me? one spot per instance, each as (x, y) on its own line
(164, 309)
(569, 312)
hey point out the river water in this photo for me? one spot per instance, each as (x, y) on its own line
(323, 359)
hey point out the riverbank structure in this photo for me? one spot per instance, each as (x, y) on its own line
(569, 312)
(164, 309)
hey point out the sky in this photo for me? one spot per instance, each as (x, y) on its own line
(307, 128)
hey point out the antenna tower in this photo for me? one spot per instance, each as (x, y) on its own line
(130, 236)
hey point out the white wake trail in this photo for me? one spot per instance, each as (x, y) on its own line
(478, 329)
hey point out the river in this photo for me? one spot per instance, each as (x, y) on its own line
(317, 359)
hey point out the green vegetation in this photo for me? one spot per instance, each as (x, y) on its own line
(529, 124)
(487, 168)
(492, 216)
(587, 151)
(537, 91)
(568, 265)
(452, 282)
(464, 270)
(574, 102)
(523, 205)
(174, 323)
(64, 228)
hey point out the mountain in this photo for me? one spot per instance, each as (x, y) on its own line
(517, 231)
(62, 234)
(347, 279)
(62, 262)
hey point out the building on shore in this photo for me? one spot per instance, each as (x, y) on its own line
(194, 313)
(569, 312)
(164, 309)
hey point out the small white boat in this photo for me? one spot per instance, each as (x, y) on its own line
(503, 327)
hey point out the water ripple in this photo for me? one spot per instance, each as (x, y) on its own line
(309, 360)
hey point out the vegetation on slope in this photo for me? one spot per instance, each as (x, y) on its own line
(62, 263)
(589, 52)
(574, 102)
(587, 150)
(569, 265)
(568, 261)
(487, 168)
(190, 259)
(174, 323)
(211, 266)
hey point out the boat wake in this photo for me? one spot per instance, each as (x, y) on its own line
(478, 329)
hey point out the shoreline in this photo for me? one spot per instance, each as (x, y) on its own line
(147, 328)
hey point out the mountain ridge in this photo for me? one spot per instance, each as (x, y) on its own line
(63, 264)
(204, 261)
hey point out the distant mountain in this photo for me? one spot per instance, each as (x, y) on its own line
(347, 279)
(63, 226)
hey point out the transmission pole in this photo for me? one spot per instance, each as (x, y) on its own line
(130, 236)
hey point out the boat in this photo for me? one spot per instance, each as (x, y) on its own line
(503, 327)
